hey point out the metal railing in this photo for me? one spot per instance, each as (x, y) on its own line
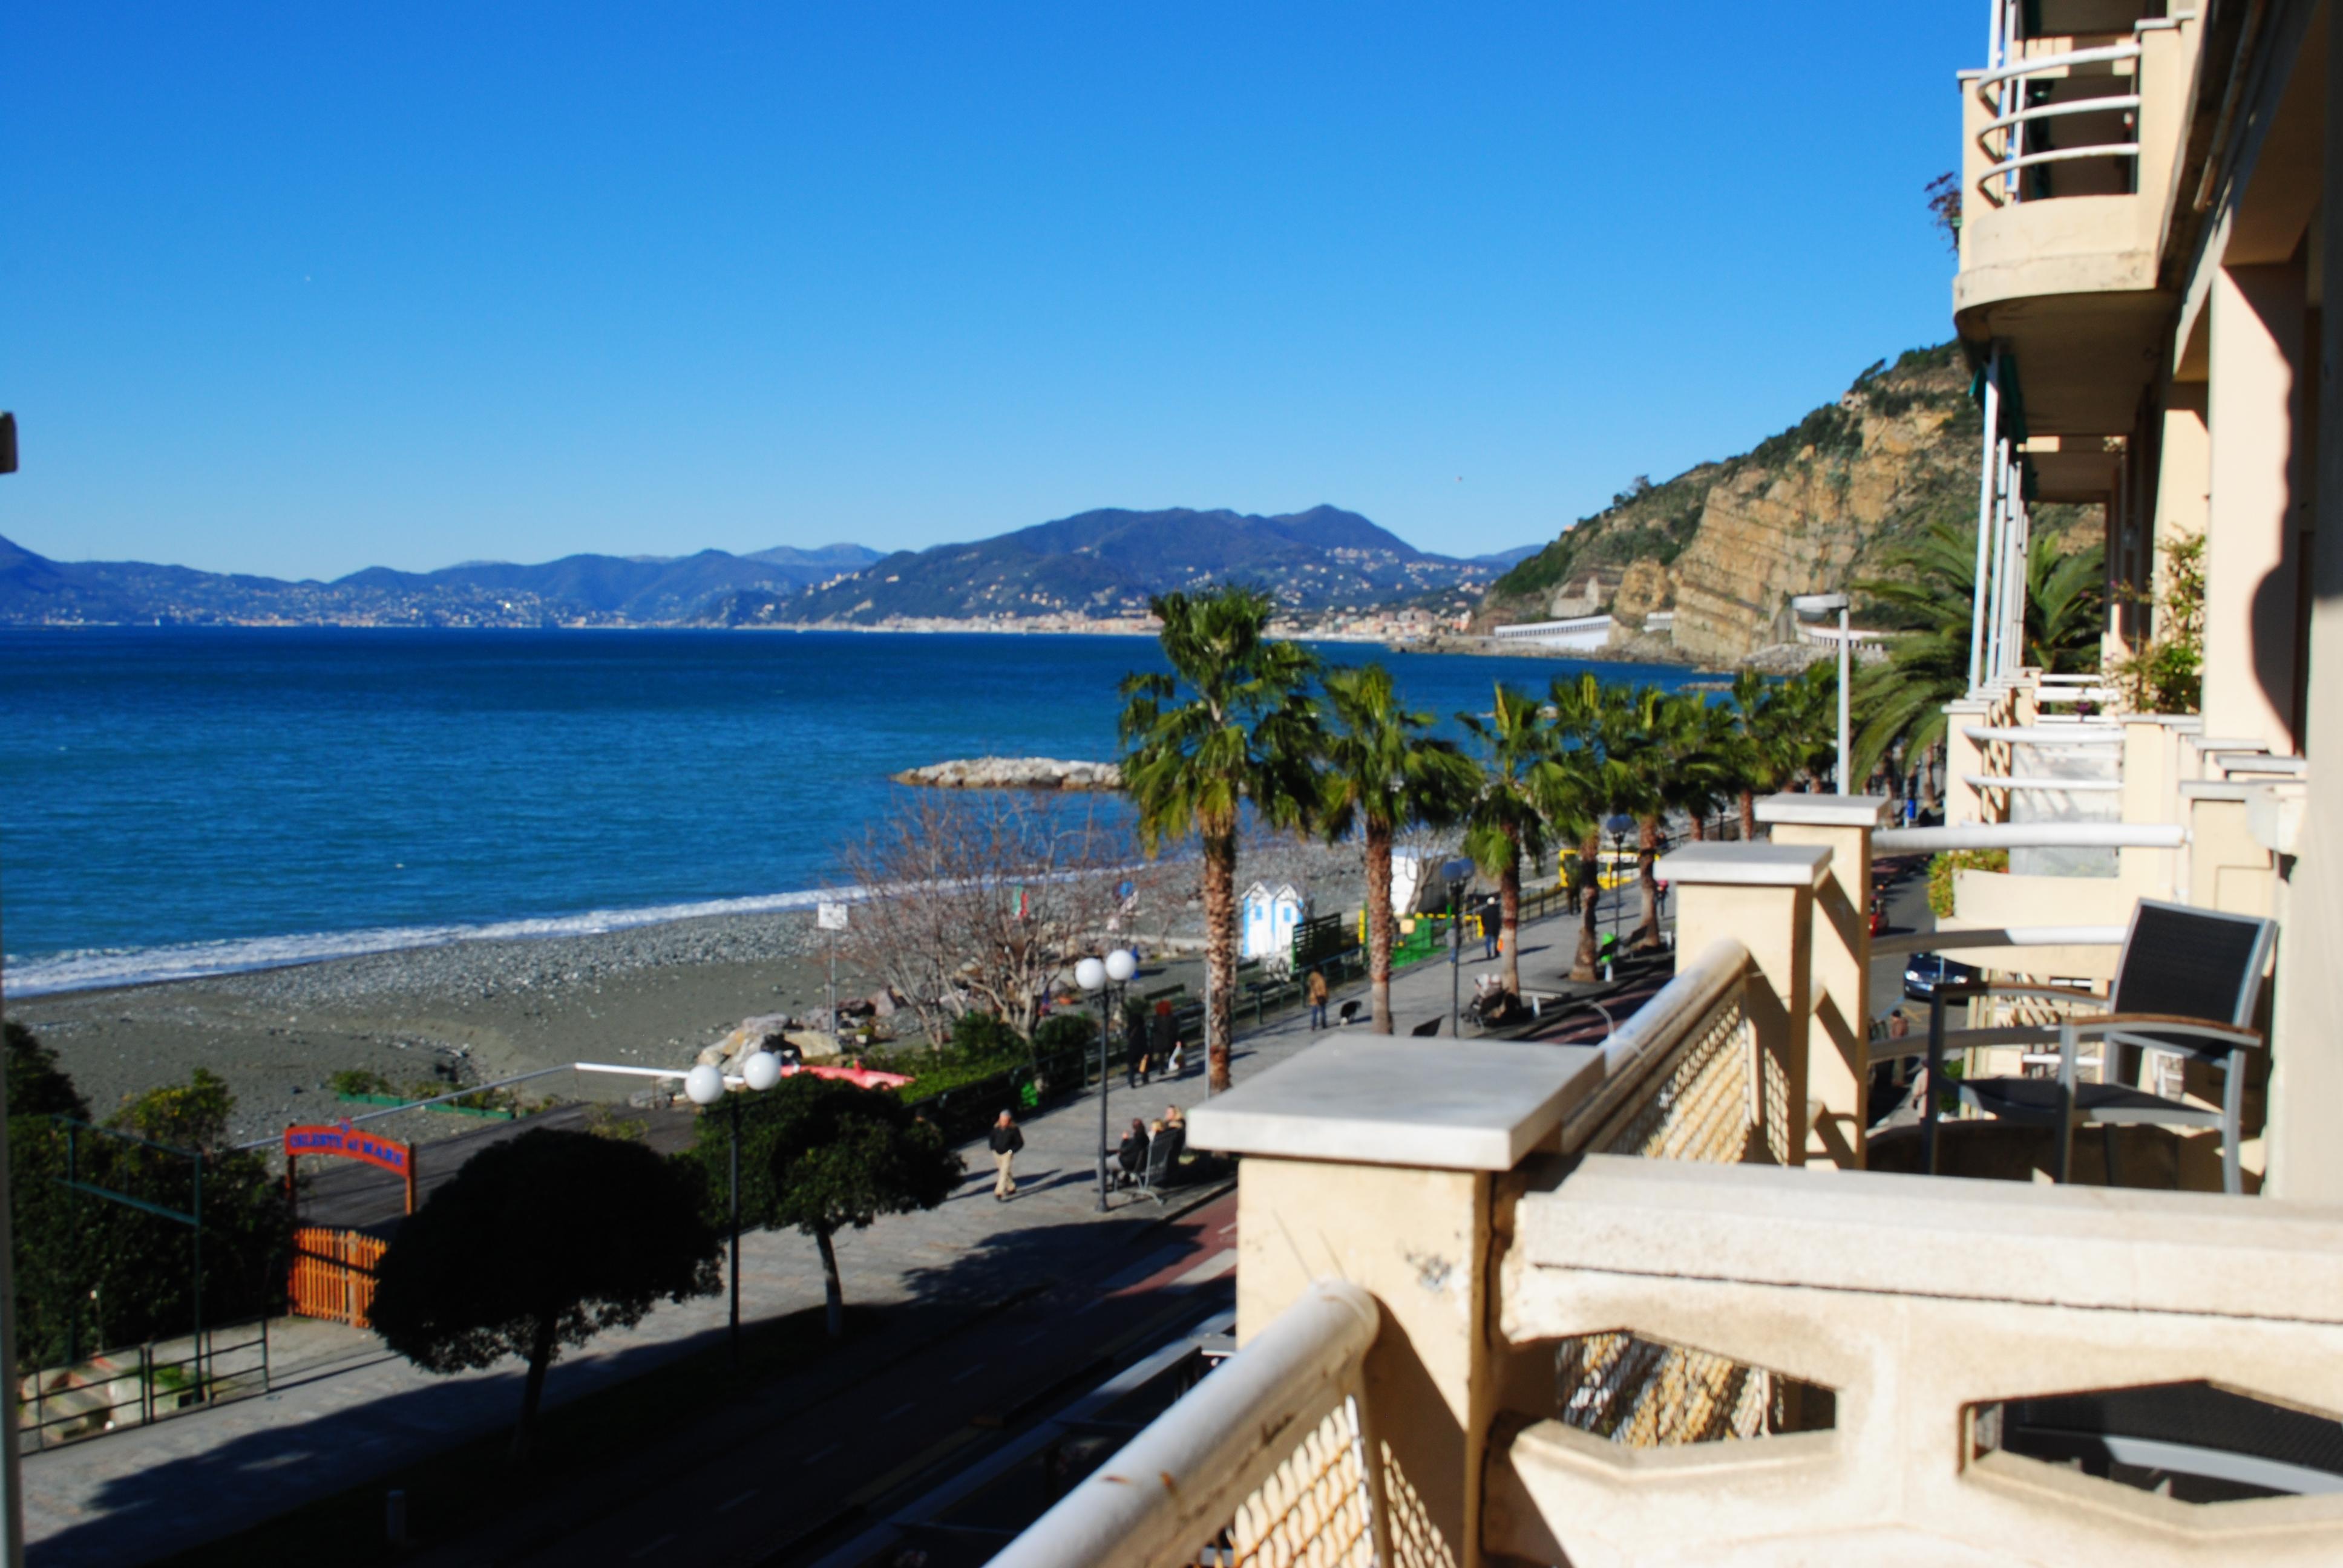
(2029, 835)
(137, 1385)
(2003, 138)
(1269, 1461)
(1683, 1078)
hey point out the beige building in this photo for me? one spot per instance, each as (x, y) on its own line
(1686, 1296)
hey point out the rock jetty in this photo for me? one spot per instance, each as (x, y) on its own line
(1014, 773)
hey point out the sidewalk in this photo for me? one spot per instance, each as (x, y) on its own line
(344, 1409)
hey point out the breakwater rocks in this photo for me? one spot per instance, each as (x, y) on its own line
(1013, 773)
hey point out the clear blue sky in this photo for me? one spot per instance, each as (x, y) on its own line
(295, 288)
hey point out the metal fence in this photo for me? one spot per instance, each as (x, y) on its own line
(140, 1384)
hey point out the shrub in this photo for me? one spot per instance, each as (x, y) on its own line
(1941, 869)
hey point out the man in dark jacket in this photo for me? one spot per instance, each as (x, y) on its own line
(1007, 1140)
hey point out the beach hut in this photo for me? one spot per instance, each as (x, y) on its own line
(1271, 918)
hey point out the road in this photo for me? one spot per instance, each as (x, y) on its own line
(774, 1481)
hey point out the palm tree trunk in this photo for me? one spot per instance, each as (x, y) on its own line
(1509, 898)
(1220, 872)
(1647, 877)
(1699, 829)
(532, 1388)
(1379, 923)
(1749, 816)
(833, 1292)
(1582, 967)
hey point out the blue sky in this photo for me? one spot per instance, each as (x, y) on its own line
(299, 288)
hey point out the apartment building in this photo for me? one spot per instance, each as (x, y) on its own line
(1682, 1297)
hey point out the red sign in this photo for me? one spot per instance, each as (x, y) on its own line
(347, 1143)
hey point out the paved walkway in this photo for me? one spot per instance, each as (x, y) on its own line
(344, 1409)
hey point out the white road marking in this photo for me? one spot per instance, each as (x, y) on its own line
(647, 1550)
(967, 1373)
(903, 1409)
(820, 1455)
(1211, 1268)
(1229, 1227)
(729, 1507)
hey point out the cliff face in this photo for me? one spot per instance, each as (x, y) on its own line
(1725, 545)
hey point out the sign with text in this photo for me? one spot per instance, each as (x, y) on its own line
(830, 917)
(347, 1143)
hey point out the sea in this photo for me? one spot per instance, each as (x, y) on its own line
(182, 801)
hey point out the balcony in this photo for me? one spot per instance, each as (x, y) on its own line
(2069, 144)
(1665, 1298)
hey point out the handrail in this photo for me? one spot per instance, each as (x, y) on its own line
(2036, 64)
(1170, 1490)
(1998, 937)
(2022, 781)
(2029, 835)
(2037, 735)
(1677, 1008)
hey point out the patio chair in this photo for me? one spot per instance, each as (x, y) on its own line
(1164, 1152)
(2187, 982)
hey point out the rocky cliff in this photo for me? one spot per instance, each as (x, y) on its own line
(1725, 545)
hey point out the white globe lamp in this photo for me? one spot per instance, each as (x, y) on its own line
(761, 1071)
(1120, 966)
(1090, 975)
(704, 1084)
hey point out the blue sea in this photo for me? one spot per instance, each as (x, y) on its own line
(179, 802)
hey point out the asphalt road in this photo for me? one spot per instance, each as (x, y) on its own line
(782, 1477)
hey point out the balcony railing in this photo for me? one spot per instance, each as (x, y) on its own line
(2006, 93)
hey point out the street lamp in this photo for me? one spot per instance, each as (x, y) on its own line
(1808, 606)
(1618, 825)
(1455, 951)
(1096, 976)
(704, 1086)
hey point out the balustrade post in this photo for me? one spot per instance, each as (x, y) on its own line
(1762, 896)
(1380, 1162)
(1963, 802)
(1838, 1061)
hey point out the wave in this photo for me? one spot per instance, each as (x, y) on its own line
(102, 968)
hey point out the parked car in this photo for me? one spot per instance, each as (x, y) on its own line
(1924, 973)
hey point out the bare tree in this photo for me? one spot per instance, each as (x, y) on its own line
(978, 900)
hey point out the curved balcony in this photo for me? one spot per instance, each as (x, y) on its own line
(2068, 148)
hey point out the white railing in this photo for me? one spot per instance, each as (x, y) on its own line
(2029, 835)
(1269, 1460)
(2014, 781)
(2002, 139)
(1997, 936)
(2084, 734)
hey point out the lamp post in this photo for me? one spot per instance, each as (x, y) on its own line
(1808, 606)
(1618, 825)
(704, 1086)
(1455, 952)
(1105, 978)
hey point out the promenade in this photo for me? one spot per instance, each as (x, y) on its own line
(344, 1410)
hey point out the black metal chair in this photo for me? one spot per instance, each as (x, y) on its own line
(2187, 982)
(1163, 1161)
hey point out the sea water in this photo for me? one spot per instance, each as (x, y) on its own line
(192, 801)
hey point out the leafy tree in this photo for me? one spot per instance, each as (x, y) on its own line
(1231, 725)
(1609, 732)
(1699, 743)
(1932, 587)
(537, 1242)
(822, 1154)
(37, 1086)
(1382, 774)
(1528, 791)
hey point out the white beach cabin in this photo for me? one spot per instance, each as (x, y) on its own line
(1271, 918)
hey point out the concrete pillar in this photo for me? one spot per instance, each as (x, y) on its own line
(2151, 793)
(1838, 1055)
(1762, 896)
(1963, 801)
(2305, 1157)
(2250, 557)
(1376, 1161)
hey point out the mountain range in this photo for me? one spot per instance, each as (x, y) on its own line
(1101, 563)
(1105, 564)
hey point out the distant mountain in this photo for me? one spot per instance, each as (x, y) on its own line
(585, 589)
(1106, 564)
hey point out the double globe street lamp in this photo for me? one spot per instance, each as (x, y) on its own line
(704, 1086)
(1096, 976)
(1813, 607)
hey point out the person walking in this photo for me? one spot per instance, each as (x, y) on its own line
(1318, 993)
(1007, 1140)
(1489, 928)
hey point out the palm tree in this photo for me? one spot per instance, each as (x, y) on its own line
(1231, 724)
(1601, 729)
(1934, 587)
(1787, 729)
(1699, 741)
(1523, 786)
(1382, 773)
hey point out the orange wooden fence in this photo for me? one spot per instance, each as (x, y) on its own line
(333, 1274)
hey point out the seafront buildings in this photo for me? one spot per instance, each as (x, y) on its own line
(1681, 1297)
